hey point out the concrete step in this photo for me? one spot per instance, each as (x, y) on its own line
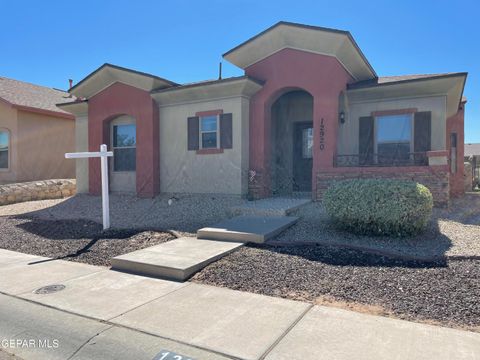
(174, 260)
(256, 229)
(275, 206)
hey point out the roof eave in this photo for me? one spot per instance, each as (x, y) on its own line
(90, 76)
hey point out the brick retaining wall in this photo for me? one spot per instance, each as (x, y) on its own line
(37, 190)
(435, 178)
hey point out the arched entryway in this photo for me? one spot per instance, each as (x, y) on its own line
(292, 143)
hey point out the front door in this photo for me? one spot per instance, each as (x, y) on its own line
(302, 156)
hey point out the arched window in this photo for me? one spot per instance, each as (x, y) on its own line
(4, 149)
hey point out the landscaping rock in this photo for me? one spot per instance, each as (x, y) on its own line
(36, 190)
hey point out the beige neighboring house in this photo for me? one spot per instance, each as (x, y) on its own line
(34, 133)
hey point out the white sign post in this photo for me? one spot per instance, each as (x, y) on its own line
(103, 155)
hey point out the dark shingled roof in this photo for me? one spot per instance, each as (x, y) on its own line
(388, 80)
(472, 149)
(34, 96)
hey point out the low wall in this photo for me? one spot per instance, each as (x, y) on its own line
(468, 176)
(435, 178)
(37, 190)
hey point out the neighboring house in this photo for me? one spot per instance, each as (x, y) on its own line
(34, 133)
(309, 110)
(472, 155)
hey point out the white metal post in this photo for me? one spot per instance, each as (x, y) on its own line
(105, 199)
(103, 155)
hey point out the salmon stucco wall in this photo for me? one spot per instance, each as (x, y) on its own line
(121, 99)
(42, 144)
(455, 124)
(8, 122)
(289, 69)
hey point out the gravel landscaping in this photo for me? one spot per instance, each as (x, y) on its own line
(442, 292)
(182, 213)
(75, 240)
(433, 277)
(453, 232)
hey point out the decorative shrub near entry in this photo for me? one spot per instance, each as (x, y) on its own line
(379, 206)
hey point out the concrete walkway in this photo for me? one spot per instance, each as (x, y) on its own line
(180, 258)
(109, 315)
(176, 259)
(273, 206)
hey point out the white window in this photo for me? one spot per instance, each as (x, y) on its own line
(124, 147)
(209, 132)
(4, 149)
(394, 137)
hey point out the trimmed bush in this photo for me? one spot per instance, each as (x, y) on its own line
(379, 206)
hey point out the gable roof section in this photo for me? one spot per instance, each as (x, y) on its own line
(450, 85)
(108, 74)
(315, 39)
(34, 98)
(207, 90)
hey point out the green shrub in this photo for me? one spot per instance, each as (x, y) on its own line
(379, 206)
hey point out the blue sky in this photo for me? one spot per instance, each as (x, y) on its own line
(48, 42)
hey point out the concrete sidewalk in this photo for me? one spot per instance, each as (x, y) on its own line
(110, 315)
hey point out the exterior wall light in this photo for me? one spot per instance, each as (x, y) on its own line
(341, 116)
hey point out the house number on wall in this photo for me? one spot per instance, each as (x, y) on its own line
(322, 135)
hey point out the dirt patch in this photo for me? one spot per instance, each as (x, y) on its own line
(75, 240)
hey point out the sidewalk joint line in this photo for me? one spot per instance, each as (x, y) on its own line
(87, 341)
(148, 302)
(285, 333)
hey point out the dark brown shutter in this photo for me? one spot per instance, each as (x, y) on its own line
(226, 137)
(193, 133)
(422, 129)
(365, 140)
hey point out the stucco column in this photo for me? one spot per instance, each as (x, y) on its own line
(148, 153)
(325, 128)
(260, 147)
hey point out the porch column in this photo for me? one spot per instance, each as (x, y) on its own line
(259, 181)
(325, 129)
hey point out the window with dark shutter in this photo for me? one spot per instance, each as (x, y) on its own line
(226, 136)
(422, 136)
(365, 140)
(193, 133)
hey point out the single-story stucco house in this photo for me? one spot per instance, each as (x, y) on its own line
(34, 133)
(309, 110)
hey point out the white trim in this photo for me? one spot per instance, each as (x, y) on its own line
(9, 150)
(117, 122)
(217, 132)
